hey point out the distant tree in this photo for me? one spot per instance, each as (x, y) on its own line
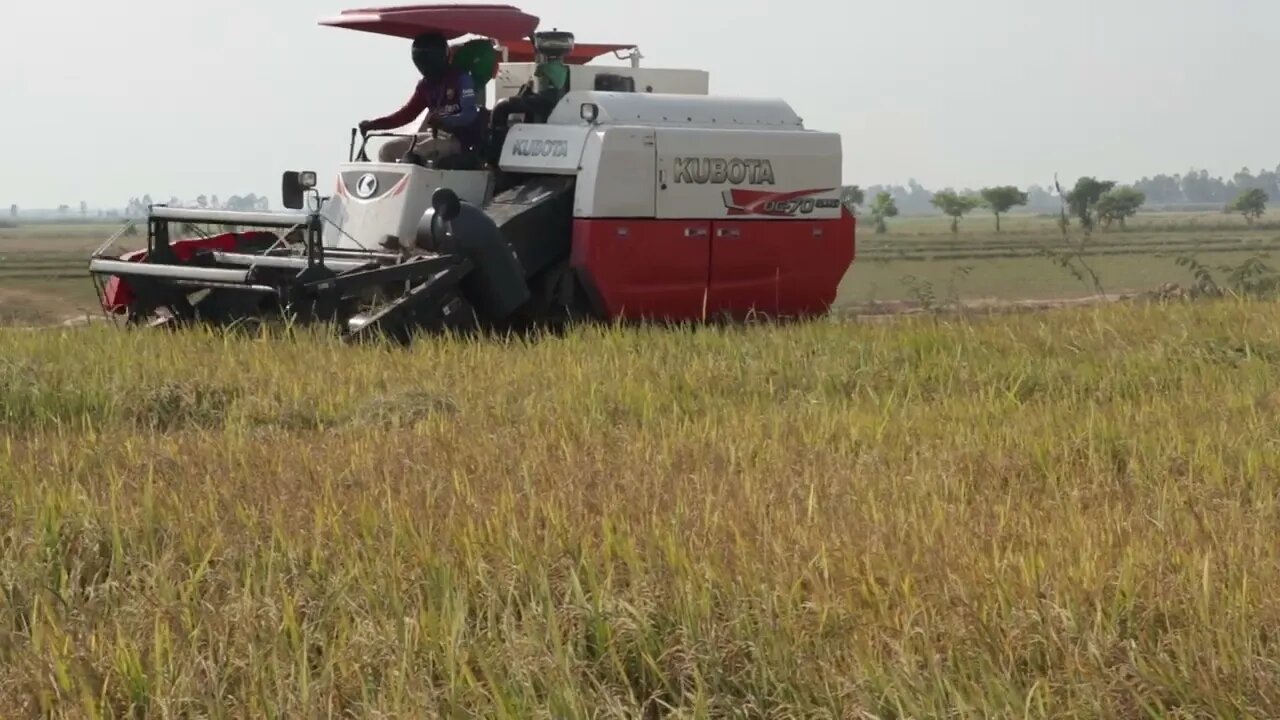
(13, 210)
(1118, 204)
(213, 202)
(999, 200)
(147, 202)
(1161, 189)
(914, 198)
(202, 201)
(1084, 197)
(882, 208)
(1041, 199)
(955, 205)
(64, 209)
(248, 203)
(852, 196)
(84, 209)
(1251, 204)
(1244, 179)
(1198, 187)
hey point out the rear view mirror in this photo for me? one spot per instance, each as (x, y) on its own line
(291, 190)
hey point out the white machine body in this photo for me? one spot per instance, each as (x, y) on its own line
(375, 200)
(670, 156)
(668, 151)
(670, 81)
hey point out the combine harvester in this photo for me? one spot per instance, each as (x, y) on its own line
(638, 197)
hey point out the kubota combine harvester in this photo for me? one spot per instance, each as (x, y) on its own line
(638, 196)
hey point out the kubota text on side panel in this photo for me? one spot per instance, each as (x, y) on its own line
(748, 174)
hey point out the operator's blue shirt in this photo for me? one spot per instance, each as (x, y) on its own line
(453, 100)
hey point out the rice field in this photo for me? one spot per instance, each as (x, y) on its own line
(1070, 513)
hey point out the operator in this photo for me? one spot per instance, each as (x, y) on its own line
(552, 77)
(450, 97)
(552, 80)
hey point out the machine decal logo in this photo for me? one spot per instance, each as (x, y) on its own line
(541, 148)
(718, 171)
(787, 204)
(366, 186)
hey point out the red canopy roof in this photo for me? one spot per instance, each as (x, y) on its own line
(500, 22)
(522, 51)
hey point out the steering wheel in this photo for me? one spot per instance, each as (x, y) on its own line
(363, 154)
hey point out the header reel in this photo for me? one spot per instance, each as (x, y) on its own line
(248, 275)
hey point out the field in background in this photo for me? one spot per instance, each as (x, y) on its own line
(43, 277)
(926, 518)
(920, 255)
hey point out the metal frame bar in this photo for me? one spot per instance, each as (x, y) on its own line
(370, 255)
(412, 271)
(390, 319)
(229, 217)
(285, 262)
(206, 285)
(175, 272)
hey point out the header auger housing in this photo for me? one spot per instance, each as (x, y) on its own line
(633, 194)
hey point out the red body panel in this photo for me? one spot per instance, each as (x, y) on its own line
(500, 22)
(778, 268)
(749, 266)
(118, 295)
(645, 269)
(521, 51)
(691, 269)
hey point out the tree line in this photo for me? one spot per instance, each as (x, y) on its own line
(1198, 188)
(137, 207)
(1194, 187)
(63, 210)
(1244, 192)
(1091, 201)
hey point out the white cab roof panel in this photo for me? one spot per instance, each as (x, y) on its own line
(677, 110)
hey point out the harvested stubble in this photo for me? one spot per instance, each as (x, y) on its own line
(1069, 514)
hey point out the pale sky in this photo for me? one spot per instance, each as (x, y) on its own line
(107, 99)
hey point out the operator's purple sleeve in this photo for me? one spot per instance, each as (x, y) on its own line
(412, 109)
(467, 109)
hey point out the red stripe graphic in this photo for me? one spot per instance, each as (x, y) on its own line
(763, 202)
